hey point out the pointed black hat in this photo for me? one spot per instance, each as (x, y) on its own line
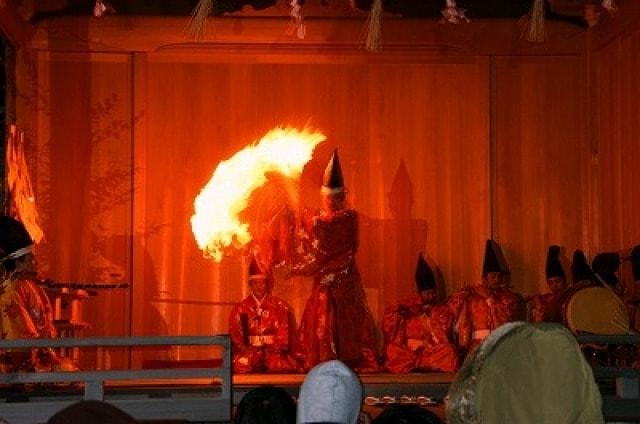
(580, 269)
(494, 260)
(605, 266)
(255, 272)
(332, 180)
(425, 280)
(14, 239)
(554, 266)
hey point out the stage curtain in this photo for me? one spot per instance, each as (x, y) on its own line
(424, 126)
(123, 143)
(540, 163)
(615, 150)
(79, 144)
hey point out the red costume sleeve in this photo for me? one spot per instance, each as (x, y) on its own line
(235, 327)
(282, 326)
(462, 323)
(392, 322)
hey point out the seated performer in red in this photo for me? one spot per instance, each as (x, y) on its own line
(336, 323)
(548, 307)
(260, 328)
(482, 308)
(25, 310)
(418, 332)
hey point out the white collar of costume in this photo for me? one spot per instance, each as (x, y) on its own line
(330, 190)
(18, 253)
(258, 301)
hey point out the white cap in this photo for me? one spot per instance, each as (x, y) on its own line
(331, 392)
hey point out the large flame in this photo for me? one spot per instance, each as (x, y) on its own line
(21, 198)
(216, 223)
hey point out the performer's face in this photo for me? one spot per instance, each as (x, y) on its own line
(333, 202)
(26, 264)
(556, 284)
(259, 287)
(428, 296)
(494, 279)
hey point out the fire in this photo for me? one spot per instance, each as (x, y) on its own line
(216, 223)
(22, 201)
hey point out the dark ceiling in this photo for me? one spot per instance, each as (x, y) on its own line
(407, 8)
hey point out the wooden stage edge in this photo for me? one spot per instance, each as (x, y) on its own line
(367, 379)
(433, 385)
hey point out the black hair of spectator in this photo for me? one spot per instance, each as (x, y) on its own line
(266, 405)
(406, 414)
(91, 411)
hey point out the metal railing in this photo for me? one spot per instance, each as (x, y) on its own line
(625, 405)
(211, 404)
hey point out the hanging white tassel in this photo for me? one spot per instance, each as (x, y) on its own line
(453, 14)
(198, 23)
(102, 8)
(296, 26)
(609, 6)
(534, 29)
(374, 27)
(99, 8)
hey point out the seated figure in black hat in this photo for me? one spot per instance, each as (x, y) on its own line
(482, 308)
(419, 331)
(336, 323)
(261, 330)
(580, 270)
(25, 310)
(547, 307)
(605, 267)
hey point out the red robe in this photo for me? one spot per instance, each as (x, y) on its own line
(25, 313)
(419, 340)
(260, 336)
(336, 323)
(479, 311)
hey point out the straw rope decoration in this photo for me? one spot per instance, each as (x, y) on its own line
(198, 23)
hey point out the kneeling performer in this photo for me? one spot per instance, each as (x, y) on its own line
(260, 329)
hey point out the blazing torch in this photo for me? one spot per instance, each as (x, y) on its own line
(217, 223)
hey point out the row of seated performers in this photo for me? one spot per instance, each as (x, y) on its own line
(420, 334)
(336, 324)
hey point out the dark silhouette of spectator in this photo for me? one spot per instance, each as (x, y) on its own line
(266, 405)
(406, 414)
(91, 411)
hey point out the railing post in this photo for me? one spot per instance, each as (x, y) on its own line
(94, 390)
(628, 388)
